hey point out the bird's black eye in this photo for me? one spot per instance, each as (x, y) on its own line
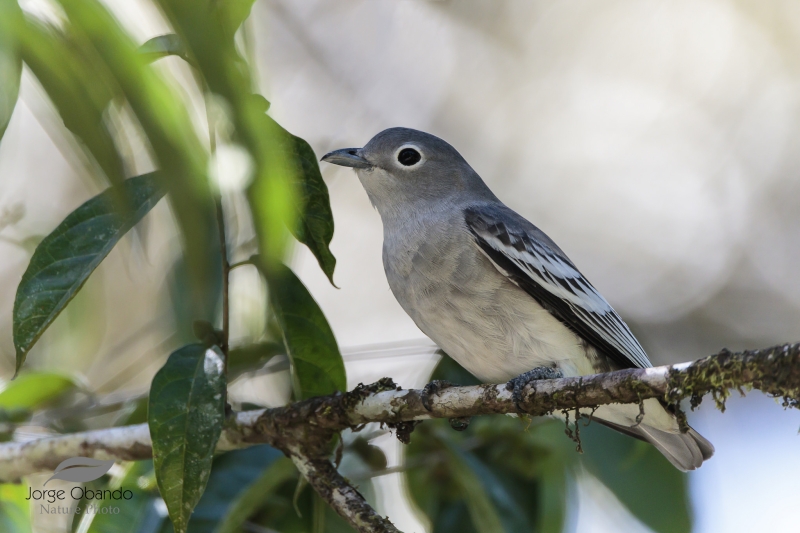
(408, 157)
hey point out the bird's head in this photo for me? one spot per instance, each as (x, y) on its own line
(401, 168)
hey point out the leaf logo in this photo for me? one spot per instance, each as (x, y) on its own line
(81, 470)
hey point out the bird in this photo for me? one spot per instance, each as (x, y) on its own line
(494, 291)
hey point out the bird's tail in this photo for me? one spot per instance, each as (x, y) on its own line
(659, 427)
(686, 451)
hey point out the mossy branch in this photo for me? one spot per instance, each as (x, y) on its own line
(303, 430)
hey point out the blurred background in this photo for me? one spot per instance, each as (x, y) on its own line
(654, 141)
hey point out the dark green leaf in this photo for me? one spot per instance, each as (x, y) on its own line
(315, 228)
(490, 505)
(163, 46)
(241, 481)
(186, 411)
(552, 499)
(187, 304)
(14, 509)
(318, 367)
(34, 390)
(643, 480)
(140, 514)
(64, 260)
(448, 370)
(245, 358)
(521, 467)
(10, 63)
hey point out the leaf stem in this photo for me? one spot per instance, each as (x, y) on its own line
(226, 269)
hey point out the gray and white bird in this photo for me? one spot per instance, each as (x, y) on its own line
(491, 289)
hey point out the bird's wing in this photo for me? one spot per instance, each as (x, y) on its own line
(533, 262)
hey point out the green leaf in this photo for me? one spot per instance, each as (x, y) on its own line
(287, 184)
(163, 116)
(77, 84)
(317, 365)
(245, 358)
(10, 64)
(552, 500)
(237, 12)
(141, 513)
(64, 260)
(186, 412)
(515, 467)
(490, 505)
(643, 480)
(315, 227)
(163, 46)
(15, 513)
(241, 481)
(34, 390)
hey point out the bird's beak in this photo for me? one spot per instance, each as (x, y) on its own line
(347, 157)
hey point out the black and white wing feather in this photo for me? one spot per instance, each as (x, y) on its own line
(533, 262)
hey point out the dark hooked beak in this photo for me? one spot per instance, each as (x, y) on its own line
(347, 157)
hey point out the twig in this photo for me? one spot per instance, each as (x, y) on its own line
(226, 269)
(340, 495)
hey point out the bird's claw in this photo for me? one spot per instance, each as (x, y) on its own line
(517, 385)
(432, 389)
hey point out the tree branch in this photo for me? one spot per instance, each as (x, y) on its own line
(340, 495)
(303, 430)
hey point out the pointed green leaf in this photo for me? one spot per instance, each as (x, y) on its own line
(241, 481)
(314, 218)
(317, 365)
(643, 480)
(163, 46)
(315, 227)
(186, 411)
(64, 260)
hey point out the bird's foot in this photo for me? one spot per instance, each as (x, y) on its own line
(517, 385)
(432, 389)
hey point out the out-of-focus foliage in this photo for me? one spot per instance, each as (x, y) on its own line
(34, 390)
(512, 474)
(64, 260)
(104, 86)
(14, 509)
(651, 488)
(139, 514)
(185, 415)
(241, 482)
